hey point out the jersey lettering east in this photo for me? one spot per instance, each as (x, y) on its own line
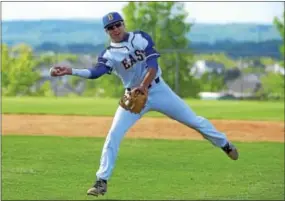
(130, 61)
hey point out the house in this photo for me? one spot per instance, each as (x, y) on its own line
(275, 68)
(232, 74)
(245, 85)
(202, 66)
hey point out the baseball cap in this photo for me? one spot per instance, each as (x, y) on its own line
(111, 18)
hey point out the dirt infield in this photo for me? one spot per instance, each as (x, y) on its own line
(145, 128)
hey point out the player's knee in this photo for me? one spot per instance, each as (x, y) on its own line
(201, 119)
(197, 122)
(110, 144)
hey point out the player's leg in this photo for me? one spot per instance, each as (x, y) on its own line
(167, 102)
(122, 122)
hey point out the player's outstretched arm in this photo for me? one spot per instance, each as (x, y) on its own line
(91, 73)
(57, 71)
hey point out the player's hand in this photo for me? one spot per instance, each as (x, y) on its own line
(60, 71)
(142, 89)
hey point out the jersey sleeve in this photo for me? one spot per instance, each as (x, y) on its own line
(98, 70)
(105, 60)
(148, 45)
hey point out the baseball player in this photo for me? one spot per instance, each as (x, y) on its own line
(133, 58)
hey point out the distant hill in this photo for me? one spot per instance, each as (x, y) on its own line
(64, 32)
(210, 33)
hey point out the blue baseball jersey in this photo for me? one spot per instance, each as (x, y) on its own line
(127, 59)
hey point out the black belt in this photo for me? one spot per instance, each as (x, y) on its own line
(157, 80)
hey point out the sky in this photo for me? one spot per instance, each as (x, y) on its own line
(200, 12)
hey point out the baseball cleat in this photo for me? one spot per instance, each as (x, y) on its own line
(231, 151)
(99, 188)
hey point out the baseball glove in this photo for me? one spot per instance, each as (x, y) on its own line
(133, 101)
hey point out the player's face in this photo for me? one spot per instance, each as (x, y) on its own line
(116, 31)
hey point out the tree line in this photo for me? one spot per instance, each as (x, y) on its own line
(232, 49)
(20, 63)
(22, 70)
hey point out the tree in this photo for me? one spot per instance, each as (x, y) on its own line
(5, 58)
(273, 83)
(212, 82)
(166, 23)
(272, 86)
(18, 70)
(280, 27)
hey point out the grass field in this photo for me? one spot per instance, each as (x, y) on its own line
(245, 110)
(53, 168)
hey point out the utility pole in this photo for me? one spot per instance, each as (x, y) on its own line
(177, 73)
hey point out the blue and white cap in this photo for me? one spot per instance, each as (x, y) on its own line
(111, 18)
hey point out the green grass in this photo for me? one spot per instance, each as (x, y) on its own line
(243, 110)
(53, 168)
